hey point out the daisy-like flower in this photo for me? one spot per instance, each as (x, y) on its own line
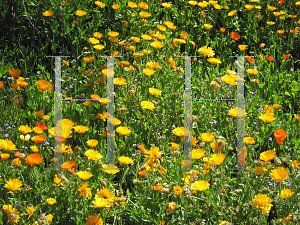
(181, 131)
(237, 112)
(260, 170)
(252, 71)
(147, 105)
(154, 155)
(249, 140)
(93, 155)
(214, 61)
(13, 184)
(81, 129)
(198, 153)
(25, 129)
(51, 201)
(286, 193)
(110, 169)
(92, 143)
(207, 137)
(171, 206)
(94, 220)
(29, 211)
(217, 159)
(206, 51)
(80, 13)
(200, 185)
(84, 175)
(123, 131)
(34, 159)
(177, 190)
(279, 174)
(263, 202)
(84, 190)
(267, 155)
(125, 160)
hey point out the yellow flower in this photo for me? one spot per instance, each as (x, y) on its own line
(260, 170)
(7, 145)
(249, 140)
(80, 13)
(147, 105)
(208, 26)
(13, 184)
(177, 190)
(93, 41)
(267, 155)
(4, 156)
(46, 117)
(17, 162)
(237, 112)
(286, 193)
(171, 206)
(166, 5)
(207, 137)
(125, 160)
(148, 72)
(157, 44)
(84, 190)
(270, 23)
(49, 218)
(81, 129)
(200, 185)
(217, 159)
(206, 51)
(116, 6)
(110, 169)
(25, 129)
(232, 13)
(154, 91)
(92, 143)
(263, 202)
(143, 5)
(161, 28)
(252, 71)
(243, 47)
(48, 13)
(198, 153)
(132, 5)
(144, 14)
(267, 118)
(29, 210)
(280, 31)
(51, 201)
(100, 4)
(146, 37)
(181, 131)
(93, 155)
(193, 3)
(214, 61)
(123, 131)
(89, 59)
(249, 7)
(279, 174)
(119, 81)
(84, 175)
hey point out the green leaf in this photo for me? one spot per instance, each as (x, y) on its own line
(295, 86)
(286, 93)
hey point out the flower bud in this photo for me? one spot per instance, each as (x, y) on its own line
(136, 181)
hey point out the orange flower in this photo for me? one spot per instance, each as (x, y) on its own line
(38, 138)
(269, 58)
(41, 125)
(281, 2)
(19, 155)
(286, 57)
(69, 166)
(142, 173)
(280, 135)
(222, 29)
(250, 59)
(34, 159)
(235, 36)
